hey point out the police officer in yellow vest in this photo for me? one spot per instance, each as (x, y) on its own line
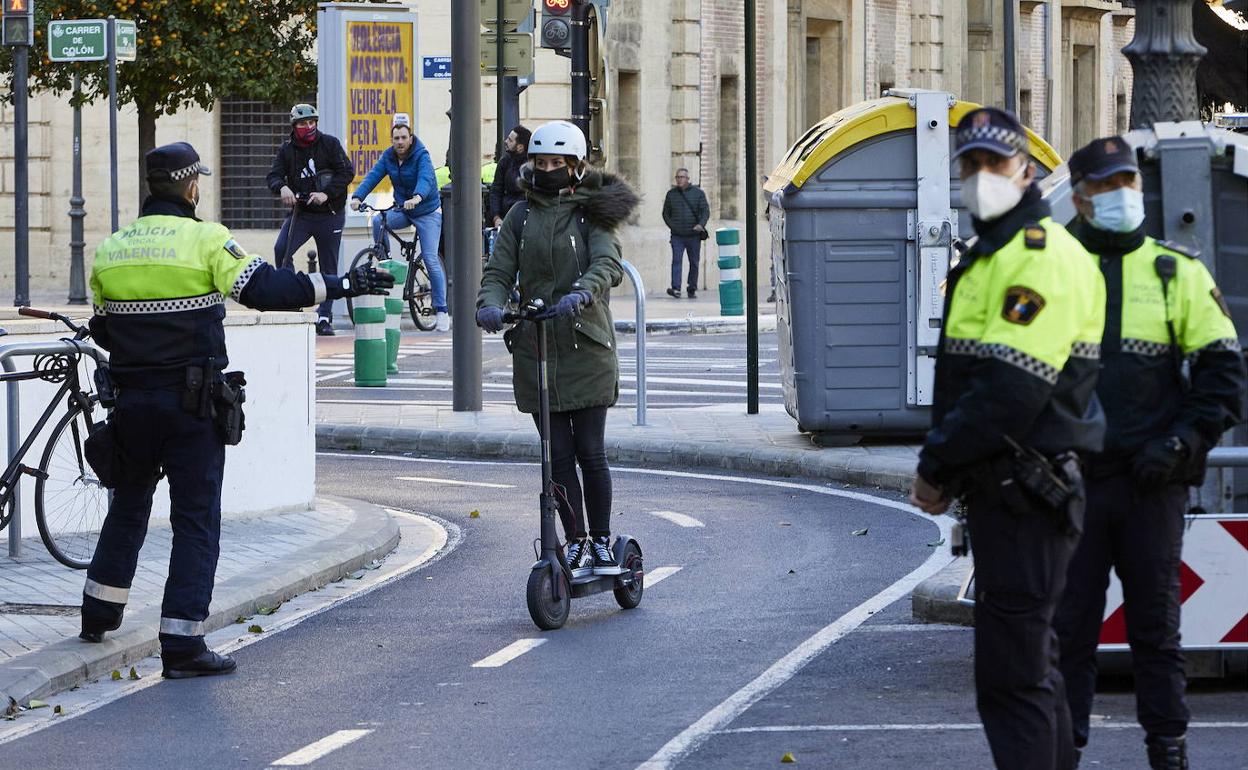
(1013, 408)
(159, 287)
(1172, 382)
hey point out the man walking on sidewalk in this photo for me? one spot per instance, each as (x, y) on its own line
(685, 212)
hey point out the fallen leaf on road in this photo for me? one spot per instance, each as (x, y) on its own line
(474, 514)
(116, 675)
(359, 573)
(860, 532)
(255, 629)
(792, 572)
(267, 610)
(936, 543)
(134, 675)
(785, 524)
(787, 759)
(242, 618)
(37, 704)
(57, 711)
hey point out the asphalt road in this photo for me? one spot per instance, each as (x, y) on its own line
(773, 630)
(682, 370)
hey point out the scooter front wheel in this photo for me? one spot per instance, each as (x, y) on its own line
(547, 612)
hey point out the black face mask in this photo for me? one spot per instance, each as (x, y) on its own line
(552, 181)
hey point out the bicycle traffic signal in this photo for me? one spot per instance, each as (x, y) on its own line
(557, 24)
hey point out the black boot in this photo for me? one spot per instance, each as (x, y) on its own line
(1167, 752)
(98, 618)
(206, 663)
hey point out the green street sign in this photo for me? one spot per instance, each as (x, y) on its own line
(77, 40)
(127, 36)
(517, 53)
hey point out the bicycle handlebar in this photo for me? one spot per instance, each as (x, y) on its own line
(80, 332)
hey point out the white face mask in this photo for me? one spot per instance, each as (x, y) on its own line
(1118, 211)
(987, 195)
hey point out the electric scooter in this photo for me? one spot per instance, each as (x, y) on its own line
(551, 586)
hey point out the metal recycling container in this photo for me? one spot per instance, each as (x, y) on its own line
(863, 213)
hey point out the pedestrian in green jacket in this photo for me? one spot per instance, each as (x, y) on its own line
(560, 246)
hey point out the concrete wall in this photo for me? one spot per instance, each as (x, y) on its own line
(274, 466)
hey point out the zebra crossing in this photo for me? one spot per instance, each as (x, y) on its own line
(681, 371)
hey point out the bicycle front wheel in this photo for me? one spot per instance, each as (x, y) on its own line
(70, 503)
(419, 296)
(365, 255)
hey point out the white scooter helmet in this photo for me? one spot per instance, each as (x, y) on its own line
(558, 138)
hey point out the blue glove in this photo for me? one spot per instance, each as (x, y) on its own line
(490, 318)
(571, 303)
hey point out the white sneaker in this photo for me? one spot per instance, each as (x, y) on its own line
(443, 323)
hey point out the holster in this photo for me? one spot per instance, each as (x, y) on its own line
(218, 395)
(104, 455)
(1028, 480)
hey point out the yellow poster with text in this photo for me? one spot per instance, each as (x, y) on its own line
(380, 80)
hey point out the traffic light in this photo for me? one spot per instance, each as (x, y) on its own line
(19, 22)
(557, 24)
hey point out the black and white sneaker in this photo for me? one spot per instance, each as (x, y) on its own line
(580, 559)
(604, 560)
(324, 328)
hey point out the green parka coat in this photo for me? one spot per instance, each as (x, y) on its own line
(551, 259)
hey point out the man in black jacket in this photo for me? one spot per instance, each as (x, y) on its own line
(311, 172)
(505, 190)
(685, 212)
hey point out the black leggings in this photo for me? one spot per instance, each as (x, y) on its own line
(577, 438)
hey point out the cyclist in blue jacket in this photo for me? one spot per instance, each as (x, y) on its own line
(410, 170)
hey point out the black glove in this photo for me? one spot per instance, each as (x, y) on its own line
(366, 279)
(1156, 462)
(571, 303)
(490, 318)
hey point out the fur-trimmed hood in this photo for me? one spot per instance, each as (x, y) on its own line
(607, 198)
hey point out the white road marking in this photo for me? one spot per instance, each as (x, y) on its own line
(1100, 725)
(455, 482)
(509, 653)
(679, 519)
(658, 574)
(903, 628)
(314, 751)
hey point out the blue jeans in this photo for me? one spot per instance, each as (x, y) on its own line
(692, 245)
(428, 231)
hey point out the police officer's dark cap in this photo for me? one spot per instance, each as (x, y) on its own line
(991, 129)
(1102, 158)
(175, 161)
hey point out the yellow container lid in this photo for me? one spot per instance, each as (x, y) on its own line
(841, 130)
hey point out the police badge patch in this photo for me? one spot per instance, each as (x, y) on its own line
(1216, 293)
(236, 251)
(1022, 305)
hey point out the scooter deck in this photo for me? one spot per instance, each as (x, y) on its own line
(594, 584)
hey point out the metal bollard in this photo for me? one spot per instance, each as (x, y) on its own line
(394, 311)
(731, 292)
(369, 315)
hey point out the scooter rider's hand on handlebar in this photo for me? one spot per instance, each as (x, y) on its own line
(288, 196)
(571, 304)
(367, 279)
(490, 319)
(318, 198)
(355, 204)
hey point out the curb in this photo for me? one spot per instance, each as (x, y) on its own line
(935, 600)
(697, 324)
(63, 664)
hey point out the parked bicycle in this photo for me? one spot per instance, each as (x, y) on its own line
(417, 291)
(70, 503)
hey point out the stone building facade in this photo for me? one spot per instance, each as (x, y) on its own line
(675, 85)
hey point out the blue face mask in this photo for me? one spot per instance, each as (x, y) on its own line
(1118, 211)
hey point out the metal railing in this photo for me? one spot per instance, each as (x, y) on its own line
(7, 354)
(639, 291)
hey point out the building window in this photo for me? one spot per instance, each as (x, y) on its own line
(251, 132)
(1024, 108)
(730, 147)
(1122, 118)
(628, 126)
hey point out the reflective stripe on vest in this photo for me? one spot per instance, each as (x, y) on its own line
(105, 593)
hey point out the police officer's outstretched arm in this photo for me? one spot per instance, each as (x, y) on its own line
(1215, 401)
(252, 281)
(1041, 319)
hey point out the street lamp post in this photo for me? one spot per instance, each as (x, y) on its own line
(1164, 55)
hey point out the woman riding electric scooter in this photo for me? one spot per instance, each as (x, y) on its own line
(561, 247)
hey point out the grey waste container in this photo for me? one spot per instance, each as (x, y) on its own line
(863, 211)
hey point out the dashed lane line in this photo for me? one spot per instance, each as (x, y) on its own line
(658, 574)
(943, 727)
(509, 653)
(314, 751)
(679, 519)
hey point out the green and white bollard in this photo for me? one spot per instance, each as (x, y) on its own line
(731, 292)
(394, 311)
(369, 315)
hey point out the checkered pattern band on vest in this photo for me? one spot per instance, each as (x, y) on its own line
(1223, 346)
(1015, 357)
(185, 173)
(994, 134)
(1145, 348)
(240, 283)
(1091, 350)
(179, 305)
(960, 347)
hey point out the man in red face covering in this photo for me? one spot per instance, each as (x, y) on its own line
(311, 172)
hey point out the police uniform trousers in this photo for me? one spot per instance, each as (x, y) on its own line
(1021, 555)
(1138, 532)
(154, 432)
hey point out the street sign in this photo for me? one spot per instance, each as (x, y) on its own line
(514, 12)
(77, 40)
(517, 53)
(126, 35)
(436, 68)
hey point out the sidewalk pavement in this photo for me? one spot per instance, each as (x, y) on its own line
(264, 561)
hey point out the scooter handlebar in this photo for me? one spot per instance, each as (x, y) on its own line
(533, 310)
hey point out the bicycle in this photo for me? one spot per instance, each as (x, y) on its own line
(70, 503)
(417, 289)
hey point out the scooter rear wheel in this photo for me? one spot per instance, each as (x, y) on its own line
(547, 612)
(629, 596)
